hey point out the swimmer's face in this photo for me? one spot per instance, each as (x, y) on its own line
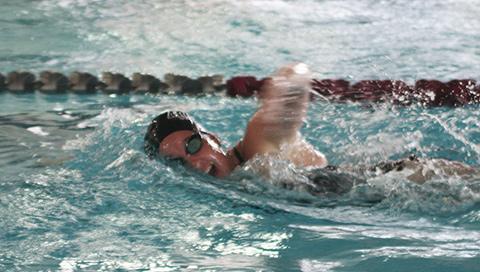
(198, 150)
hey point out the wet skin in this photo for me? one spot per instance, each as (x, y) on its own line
(210, 159)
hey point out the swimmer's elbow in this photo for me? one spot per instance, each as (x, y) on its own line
(321, 161)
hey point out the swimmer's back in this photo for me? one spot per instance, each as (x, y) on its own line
(329, 181)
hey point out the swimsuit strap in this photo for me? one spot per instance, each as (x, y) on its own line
(238, 155)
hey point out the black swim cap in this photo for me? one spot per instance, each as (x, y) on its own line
(163, 125)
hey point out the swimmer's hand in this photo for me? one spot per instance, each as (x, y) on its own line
(285, 97)
(289, 82)
(284, 101)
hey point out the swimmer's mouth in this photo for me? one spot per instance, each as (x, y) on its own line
(212, 171)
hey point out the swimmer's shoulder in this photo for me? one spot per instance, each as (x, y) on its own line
(299, 152)
(303, 154)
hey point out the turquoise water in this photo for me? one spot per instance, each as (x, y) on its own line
(78, 194)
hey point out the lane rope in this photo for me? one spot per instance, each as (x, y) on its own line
(425, 92)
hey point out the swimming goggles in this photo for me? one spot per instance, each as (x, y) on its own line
(194, 144)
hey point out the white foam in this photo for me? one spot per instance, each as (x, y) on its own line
(38, 131)
(307, 265)
(58, 107)
(67, 116)
(125, 156)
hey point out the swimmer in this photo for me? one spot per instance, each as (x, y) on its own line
(274, 129)
(284, 101)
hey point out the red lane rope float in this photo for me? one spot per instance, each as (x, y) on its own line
(452, 93)
(244, 86)
(334, 88)
(425, 92)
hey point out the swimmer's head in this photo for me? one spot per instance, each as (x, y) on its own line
(176, 135)
(164, 125)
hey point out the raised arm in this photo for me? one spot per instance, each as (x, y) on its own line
(284, 99)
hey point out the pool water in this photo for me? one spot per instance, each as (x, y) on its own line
(77, 193)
